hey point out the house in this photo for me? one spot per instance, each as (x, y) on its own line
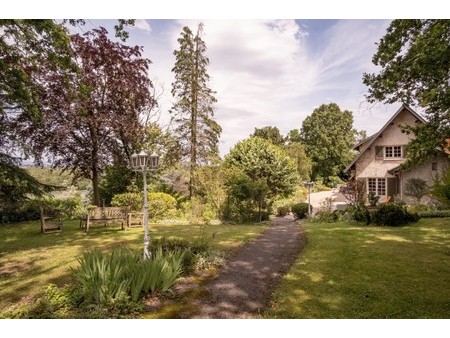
(378, 163)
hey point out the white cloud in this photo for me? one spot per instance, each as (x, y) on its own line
(271, 72)
(142, 25)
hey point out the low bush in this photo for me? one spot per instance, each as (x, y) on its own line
(107, 279)
(300, 210)
(192, 250)
(134, 200)
(434, 214)
(393, 215)
(282, 211)
(359, 213)
(19, 213)
(161, 205)
(325, 216)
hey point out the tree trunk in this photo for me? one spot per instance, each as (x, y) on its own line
(194, 115)
(95, 185)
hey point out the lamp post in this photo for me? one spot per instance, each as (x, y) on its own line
(140, 162)
(308, 185)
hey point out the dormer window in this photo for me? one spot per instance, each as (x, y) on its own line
(393, 152)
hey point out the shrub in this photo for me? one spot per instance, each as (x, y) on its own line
(134, 200)
(107, 279)
(360, 214)
(325, 216)
(26, 211)
(441, 189)
(434, 214)
(161, 205)
(373, 199)
(282, 211)
(300, 210)
(393, 215)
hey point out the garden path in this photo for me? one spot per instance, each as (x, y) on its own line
(243, 287)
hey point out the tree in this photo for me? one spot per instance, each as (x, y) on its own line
(415, 59)
(441, 188)
(196, 130)
(296, 151)
(17, 185)
(328, 136)
(271, 134)
(97, 120)
(261, 160)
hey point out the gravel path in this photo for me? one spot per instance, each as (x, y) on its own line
(243, 287)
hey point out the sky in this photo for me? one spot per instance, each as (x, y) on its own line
(269, 72)
(266, 66)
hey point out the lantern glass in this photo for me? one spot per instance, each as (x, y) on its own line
(154, 161)
(134, 161)
(143, 159)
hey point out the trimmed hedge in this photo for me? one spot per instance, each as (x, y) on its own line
(434, 214)
(282, 211)
(393, 215)
(300, 210)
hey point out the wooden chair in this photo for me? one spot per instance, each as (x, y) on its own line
(50, 224)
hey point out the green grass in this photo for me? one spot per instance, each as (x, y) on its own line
(349, 271)
(29, 261)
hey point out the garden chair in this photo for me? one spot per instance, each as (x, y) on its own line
(53, 223)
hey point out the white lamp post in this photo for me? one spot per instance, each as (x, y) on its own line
(308, 185)
(140, 162)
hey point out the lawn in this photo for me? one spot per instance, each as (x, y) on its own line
(350, 271)
(29, 261)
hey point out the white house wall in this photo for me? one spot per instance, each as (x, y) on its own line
(423, 171)
(391, 136)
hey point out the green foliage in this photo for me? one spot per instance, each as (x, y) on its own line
(271, 134)
(16, 184)
(116, 179)
(103, 279)
(247, 199)
(373, 199)
(211, 189)
(193, 111)
(393, 215)
(413, 56)
(328, 136)
(441, 189)
(26, 211)
(296, 151)
(134, 200)
(300, 210)
(161, 205)
(283, 210)
(359, 213)
(416, 187)
(434, 214)
(259, 159)
(325, 216)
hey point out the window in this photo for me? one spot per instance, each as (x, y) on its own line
(393, 152)
(377, 185)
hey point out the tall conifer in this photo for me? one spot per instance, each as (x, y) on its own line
(197, 131)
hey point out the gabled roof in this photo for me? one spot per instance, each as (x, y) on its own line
(367, 139)
(372, 138)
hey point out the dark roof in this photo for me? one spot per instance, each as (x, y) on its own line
(374, 137)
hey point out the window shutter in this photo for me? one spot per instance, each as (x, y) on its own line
(379, 152)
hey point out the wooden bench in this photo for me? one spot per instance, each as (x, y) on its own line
(104, 215)
(135, 218)
(50, 223)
